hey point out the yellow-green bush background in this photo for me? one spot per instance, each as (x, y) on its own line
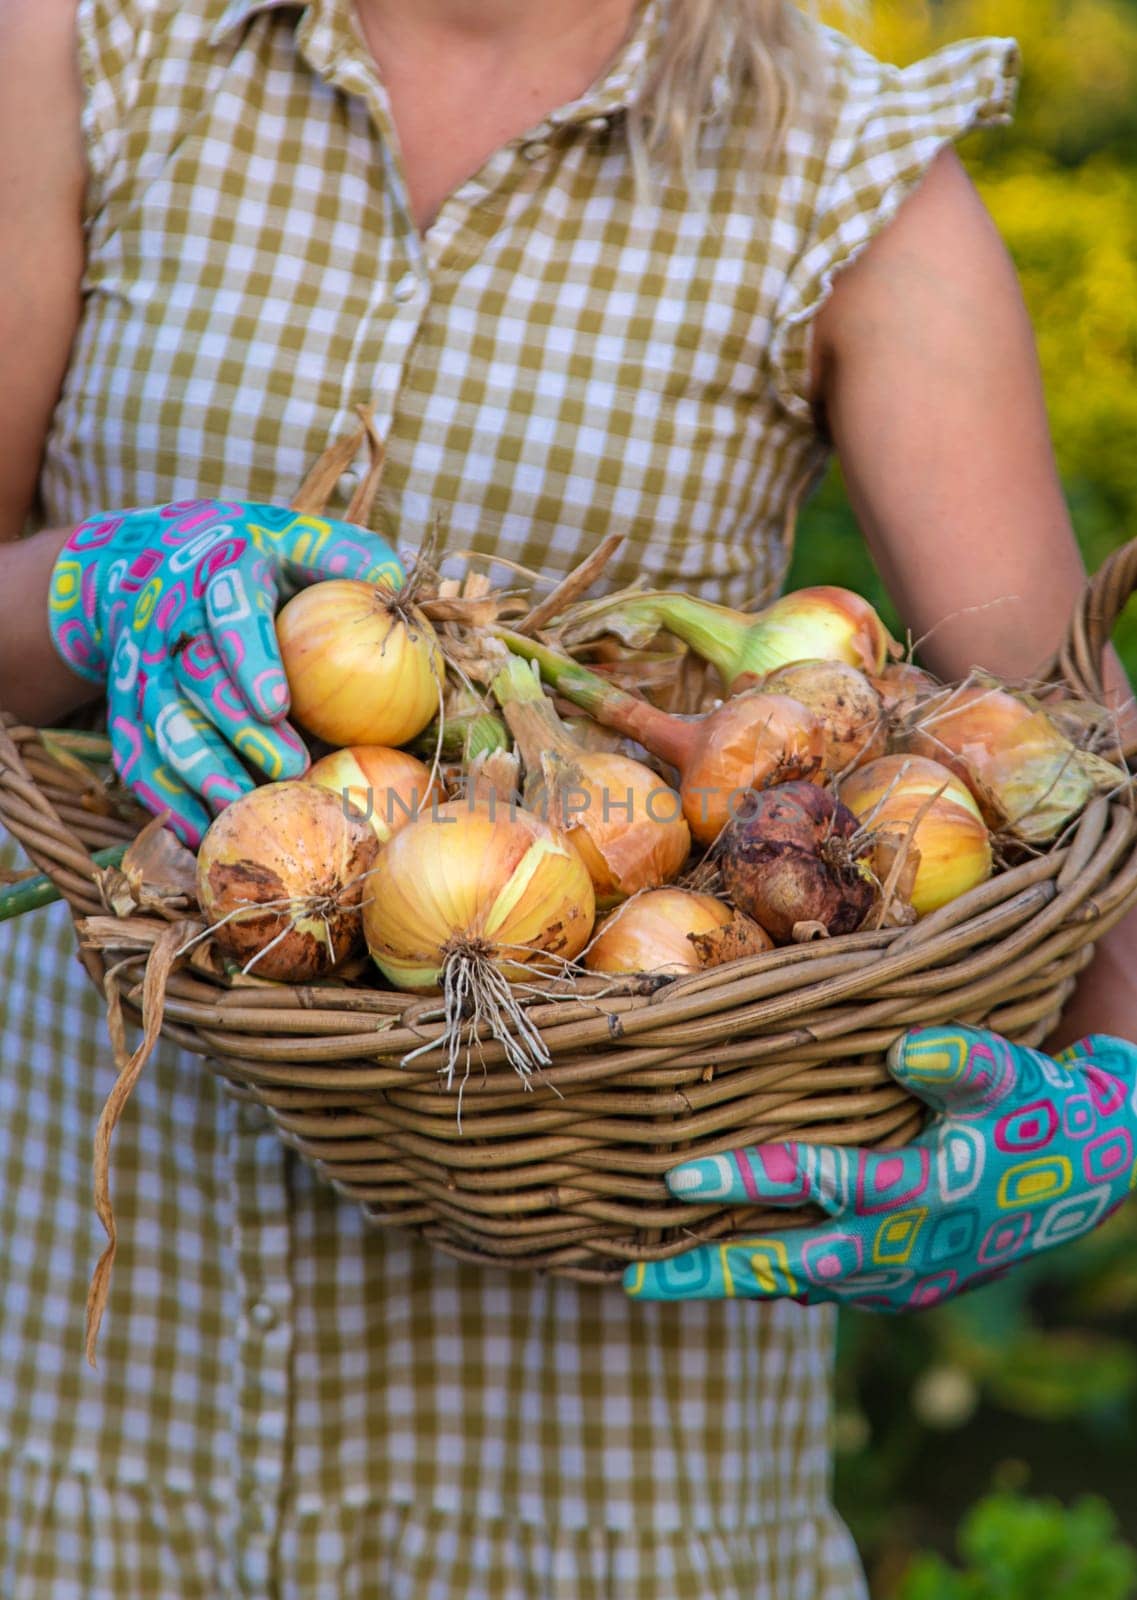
(1032, 1382)
(1062, 186)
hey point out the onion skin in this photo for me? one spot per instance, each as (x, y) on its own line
(1028, 779)
(388, 787)
(624, 821)
(286, 841)
(847, 707)
(754, 741)
(475, 874)
(786, 860)
(901, 686)
(657, 933)
(363, 666)
(904, 774)
(951, 837)
(627, 824)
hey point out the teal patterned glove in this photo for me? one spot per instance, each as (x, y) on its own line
(1024, 1153)
(173, 608)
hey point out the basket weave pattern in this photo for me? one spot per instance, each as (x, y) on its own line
(567, 1175)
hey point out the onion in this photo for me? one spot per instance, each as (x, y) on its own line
(389, 787)
(479, 873)
(363, 665)
(823, 623)
(912, 803)
(1027, 776)
(750, 742)
(901, 685)
(627, 824)
(905, 774)
(280, 876)
(470, 898)
(666, 932)
(791, 858)
(844, 702)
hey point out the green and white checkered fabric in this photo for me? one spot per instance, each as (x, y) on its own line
(286, 1403)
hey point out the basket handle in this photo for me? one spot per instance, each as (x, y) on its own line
(1080, 661)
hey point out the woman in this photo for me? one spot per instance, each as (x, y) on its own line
(588, 262)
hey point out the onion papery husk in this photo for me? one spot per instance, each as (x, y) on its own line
(902, 686)
(658, 672)
(672, 932)
(752, 741)
(626, 823)
(1029, 779)
(364, 666)
(913, 803)
(847, 707)
(281, 878)
(819, 623)
(469, 900)
(389, 788)
(794, 856)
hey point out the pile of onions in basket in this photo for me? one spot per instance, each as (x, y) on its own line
(751, 741)
(832, 790)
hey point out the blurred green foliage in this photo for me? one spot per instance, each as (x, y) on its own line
(1061, 183)
(1030, 1384)
(1019, 1549)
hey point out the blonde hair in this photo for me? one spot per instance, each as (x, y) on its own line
(711, 51)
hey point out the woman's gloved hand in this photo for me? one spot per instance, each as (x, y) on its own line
(1024, 1152)
(173, 609)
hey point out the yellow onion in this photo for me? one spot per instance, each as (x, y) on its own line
(389, 787)
(363, 665)
(1027, 776)
(627, 824)
(912, 803)
(666, 933)
(902, 685)
(281, 875)
(476, 876)
(846, 706)
(752, 741)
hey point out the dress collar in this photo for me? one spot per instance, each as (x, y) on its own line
(613, 92)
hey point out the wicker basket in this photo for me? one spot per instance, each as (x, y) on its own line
(568, 1176)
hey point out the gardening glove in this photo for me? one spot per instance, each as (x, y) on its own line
(173, 608)
(1023, 1152)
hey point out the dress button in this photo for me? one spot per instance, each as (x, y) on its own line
(262, 1315)
(597, 124)
(252, 1118)
(534, 151)
(406, 288)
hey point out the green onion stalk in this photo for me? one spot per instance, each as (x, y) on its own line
(824, 623)
(29, 894)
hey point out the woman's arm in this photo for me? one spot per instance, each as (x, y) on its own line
(926, 372)
(42, 174)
